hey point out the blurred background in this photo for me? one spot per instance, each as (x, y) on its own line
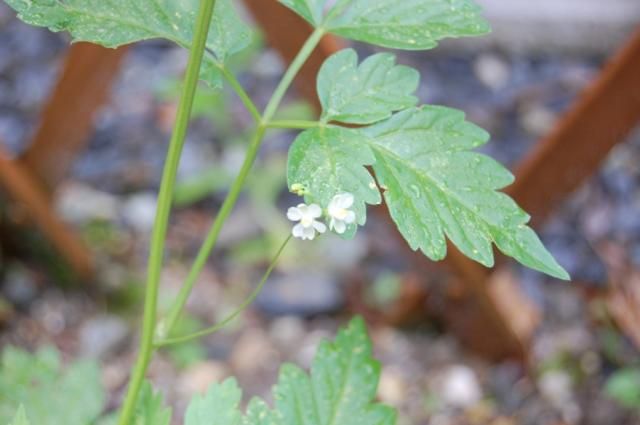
(570, 354)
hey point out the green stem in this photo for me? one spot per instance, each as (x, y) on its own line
(252, 296)
(242, 94)
(167, 325)
(291, 73)
(205, 13)
(293, 124)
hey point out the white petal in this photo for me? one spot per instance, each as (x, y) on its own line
(294, 214)
(350, 218)
(298, 231)
(308, 233)
(340, 227)
(333, 209)
(320, 227)
(346, 200)
(315, 211)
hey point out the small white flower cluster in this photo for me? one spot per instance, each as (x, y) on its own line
(339, 213)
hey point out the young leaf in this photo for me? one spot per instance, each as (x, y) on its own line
(330, 160)
(407, 24)
(258, 413)
(218, 407)
(343, 383)
(52, 396)
(341, 388)
(367, 93)
(150, 408)
(20, 418)
(624, 387)
(436, 186)
(117, 22)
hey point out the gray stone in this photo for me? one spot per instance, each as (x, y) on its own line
(103, 336)
(459, 387)
(200, 376)
(301, 294)
(80, 204)
(139, 211)
(492, 71)
(19, 286)
(253, 352)
(287, 332)
(556, 387)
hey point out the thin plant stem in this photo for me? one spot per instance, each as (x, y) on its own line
(167, 325)
(294, 124)
(306, 51)
(154, 267)
(218, 326)
(242, 94)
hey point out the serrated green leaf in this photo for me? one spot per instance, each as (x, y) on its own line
(367, 93)
(150, 408)
(20, 418)
(72, 396)
(117, 22)
(218, 407)
(258, 413)
(343, 383)
(436, 187)
(330, 160)
(407, 24)
(311, 10)
(341, 388)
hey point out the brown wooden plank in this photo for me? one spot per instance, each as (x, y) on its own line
(26, 193)
(67, 119)
(605, 114)
(607, 111)
(286, 32)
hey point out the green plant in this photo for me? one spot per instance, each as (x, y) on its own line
(422, 157)
(38, 382)
(624, 387)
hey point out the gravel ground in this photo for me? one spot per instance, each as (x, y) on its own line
(427, 375)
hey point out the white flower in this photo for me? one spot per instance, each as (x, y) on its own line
(340, 214)
(306, 215)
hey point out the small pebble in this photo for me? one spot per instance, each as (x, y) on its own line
(103, 336)
(556, 387)
(492, 71)
(139, 211)
(199, 377)
(459, 387)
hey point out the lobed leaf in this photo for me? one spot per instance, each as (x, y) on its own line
(51, 396)
(343, 382)
(367, 93)
(20, 418)
(150, 407)
(218, 407)
(117, 22)
(435, 187)
(330, 160)
(259, 413)
(311, 10)
(407, 24)
(340, 390)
